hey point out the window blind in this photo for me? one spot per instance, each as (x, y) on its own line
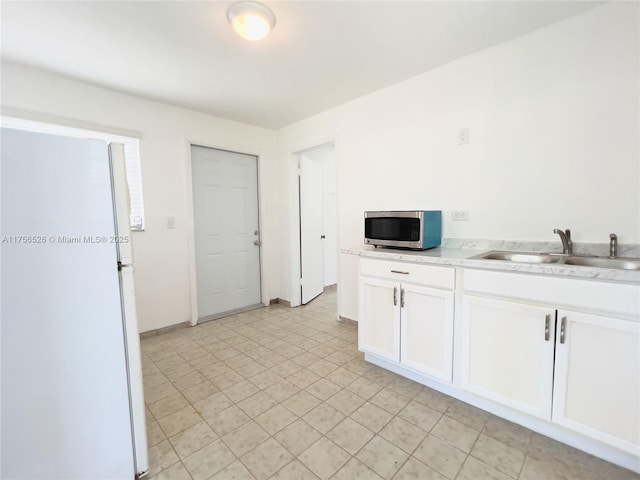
(134, 182)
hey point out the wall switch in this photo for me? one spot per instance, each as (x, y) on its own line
(171, 223)
(463, 136)
(460, 215)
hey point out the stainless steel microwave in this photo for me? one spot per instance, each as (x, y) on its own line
(413, 229)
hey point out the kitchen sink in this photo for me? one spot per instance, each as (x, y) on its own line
(620, 263)
(605, 262)
(522, 257)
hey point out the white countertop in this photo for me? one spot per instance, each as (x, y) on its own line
(461, 257)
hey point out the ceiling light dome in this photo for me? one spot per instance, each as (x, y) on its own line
(251, 20)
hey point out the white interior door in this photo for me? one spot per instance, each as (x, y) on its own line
(65, 399)
(227, 238)
(311, 226)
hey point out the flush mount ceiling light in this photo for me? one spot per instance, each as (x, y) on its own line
(251, 20)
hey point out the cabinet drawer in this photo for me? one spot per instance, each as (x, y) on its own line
(427, 275)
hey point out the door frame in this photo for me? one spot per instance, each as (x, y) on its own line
(191, 224)
(295, 293)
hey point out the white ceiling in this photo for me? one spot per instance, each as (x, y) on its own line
(321, 53)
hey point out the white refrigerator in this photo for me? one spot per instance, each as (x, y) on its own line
(72, 403)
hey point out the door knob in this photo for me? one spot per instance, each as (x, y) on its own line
(257, 242)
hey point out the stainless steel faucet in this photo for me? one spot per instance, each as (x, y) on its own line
(613, 245)
(567, 244)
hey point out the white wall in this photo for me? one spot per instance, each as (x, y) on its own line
(162, 256)
(554, 140)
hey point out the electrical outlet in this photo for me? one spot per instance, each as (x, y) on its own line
(460, 215)
(463, 136)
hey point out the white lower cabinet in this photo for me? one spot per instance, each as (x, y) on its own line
(597, 378)
(426, 330)
(407, 323)
(507, 353)
(379, 333)
(578, 370)
(559, 355)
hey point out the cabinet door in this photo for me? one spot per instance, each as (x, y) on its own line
(426, 330)
(597, 380)
(379, 318)
(507, 353)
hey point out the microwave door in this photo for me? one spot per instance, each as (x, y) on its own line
(382, 228)
(393, 229)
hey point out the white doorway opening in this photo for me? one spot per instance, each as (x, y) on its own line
(318, 220)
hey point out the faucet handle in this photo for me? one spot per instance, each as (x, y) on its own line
(613, 245)
(567, 232)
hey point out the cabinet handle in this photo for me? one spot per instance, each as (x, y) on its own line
(395, 296)
(402, 297)
(547, 325)
(400, 272)
(563, 329)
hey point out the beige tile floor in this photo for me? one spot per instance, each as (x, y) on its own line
(281, 393)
